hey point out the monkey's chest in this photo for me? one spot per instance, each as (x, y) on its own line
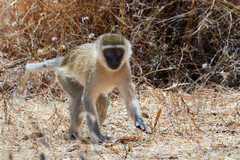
(105, 84)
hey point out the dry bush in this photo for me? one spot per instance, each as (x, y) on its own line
(176, 42)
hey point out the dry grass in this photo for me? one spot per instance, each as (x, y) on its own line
(190, 49)
(204, 124)
(174, 41)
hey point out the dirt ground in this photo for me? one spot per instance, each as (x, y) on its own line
(204, 124)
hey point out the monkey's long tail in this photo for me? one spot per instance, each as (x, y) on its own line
(48, 65)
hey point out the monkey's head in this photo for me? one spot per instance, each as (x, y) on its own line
(112, 50)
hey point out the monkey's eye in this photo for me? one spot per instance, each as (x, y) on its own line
(107, 51)
(119, 52)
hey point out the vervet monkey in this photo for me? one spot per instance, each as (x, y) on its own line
(87, 73)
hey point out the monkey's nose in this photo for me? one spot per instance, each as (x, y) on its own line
(114, 60)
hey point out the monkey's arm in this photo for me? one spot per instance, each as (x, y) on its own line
(47, 65)
(90, 99)
(127, 91)
(92, 119)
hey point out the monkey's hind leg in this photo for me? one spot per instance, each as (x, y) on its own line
(76, 116)
(75, 91)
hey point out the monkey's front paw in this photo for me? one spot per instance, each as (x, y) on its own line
(140, 124)
(102, 138)
(72, 136)
(105, 138)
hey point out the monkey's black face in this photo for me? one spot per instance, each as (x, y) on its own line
(113, 57)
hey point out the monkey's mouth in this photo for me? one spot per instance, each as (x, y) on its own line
(114, 66)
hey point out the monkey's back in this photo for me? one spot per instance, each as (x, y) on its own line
(78, 60)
